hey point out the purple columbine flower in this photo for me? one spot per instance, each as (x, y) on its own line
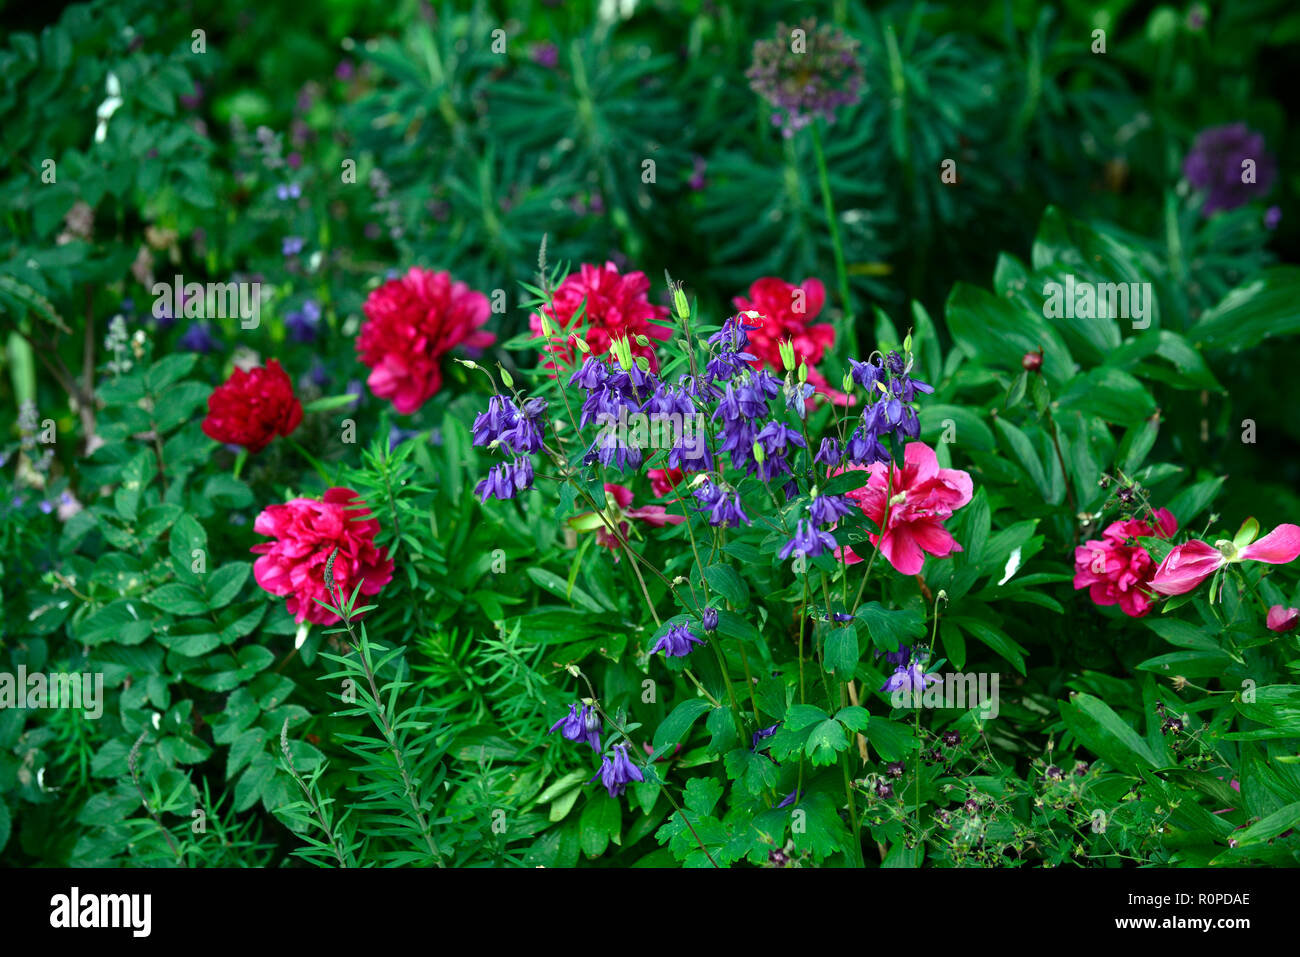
(709, 620)
(1218, 164)
(828, 509)
(828, 453)
(898, 658)
(676, 642)
(198, 338)
(808, 541)
(866, 374)
(617, 771)
(506, 480)
(723, 507)
(790, 798)
(762, 734)
(292, 245)
(302, 323)
(500, 415)
(579, 725)
(910, 679)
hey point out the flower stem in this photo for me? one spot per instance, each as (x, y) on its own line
(841, 273)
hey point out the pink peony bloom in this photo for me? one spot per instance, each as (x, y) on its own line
(1117, 573)
(785, 313)
(924, 497)
(411, 323)
(1282, 619)
(1191, 563)
(617, 307)
(306, 532)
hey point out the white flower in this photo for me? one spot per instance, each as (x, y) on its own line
(110, 106)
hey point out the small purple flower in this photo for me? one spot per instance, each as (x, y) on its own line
(790, 798)
(895, 769)
(909, 679)
(546, 55)
(762, 734)
(198, 338)
(709, 620)
(828, 453)
(45, 506)
(676, 642)
(808, 541)
(581, 725)
(287, 191)
(617, 771)
(828, 509)
(1272, 217)
(506, 480)
(292, 245)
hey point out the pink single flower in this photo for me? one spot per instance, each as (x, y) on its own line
(924, 496)
(1282, 619)
(618, 512)
(1191, 563)
(1118, 573)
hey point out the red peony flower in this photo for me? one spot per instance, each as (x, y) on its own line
(617, 307)
(1116, 573)
(306, 532)
(663, 481)
(924, 496)
(411, 323)
(785, 312)
(251, 408)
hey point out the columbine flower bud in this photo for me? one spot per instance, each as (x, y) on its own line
(786, 348)
(848, 382)
(803, 373)
(506, 377)
(547, 330)
(642, 340)
(680, 303)
(759, 454)
(581, 343)
(709, 619)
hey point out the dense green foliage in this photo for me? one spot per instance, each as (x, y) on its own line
(143, 142)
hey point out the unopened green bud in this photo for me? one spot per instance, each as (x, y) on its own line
(680, 302)
(759, 454)
(803, 372)
(786, 348)
(547, 329)
(506, 378)
(848, 382)
(581, 343)
(642, 341)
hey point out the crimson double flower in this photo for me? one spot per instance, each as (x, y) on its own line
(252, 408)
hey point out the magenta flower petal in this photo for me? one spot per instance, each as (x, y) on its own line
(1278, 547)
(1186, 567)
(1282, 619)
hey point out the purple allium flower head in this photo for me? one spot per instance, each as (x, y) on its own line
(808, 541)
(580, 725)
(709, 620)
(1217, 164)
(805, 81)
(198, 338)
(617, 771)
(676, 642)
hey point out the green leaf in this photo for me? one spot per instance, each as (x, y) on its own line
(1261, 307)
(674, 727)
(825, 742)
(840, 654)
(600, 822)
(727, 582)
(1106, 733)
(177, 599)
